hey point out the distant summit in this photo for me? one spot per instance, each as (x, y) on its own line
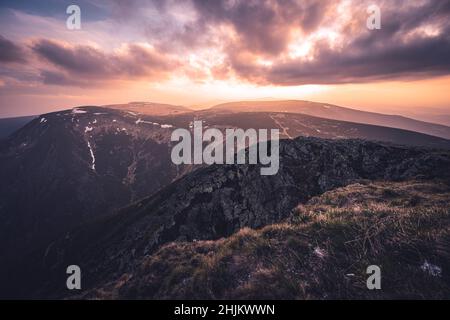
(150, 108)
(330, 111)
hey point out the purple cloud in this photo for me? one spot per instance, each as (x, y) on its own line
(11, 52)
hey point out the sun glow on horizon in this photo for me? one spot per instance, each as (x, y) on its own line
(190, 54)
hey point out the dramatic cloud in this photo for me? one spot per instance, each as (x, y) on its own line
(291, 42)
(60, 79)
(279, 42)
(413, 42)
(10, 52)
(263, 26)
(425, 58)
(86, 62)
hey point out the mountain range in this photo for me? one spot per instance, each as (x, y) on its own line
(95, 185)
(217, 201)
(330, 111)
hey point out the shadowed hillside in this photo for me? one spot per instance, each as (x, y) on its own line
(217, 201)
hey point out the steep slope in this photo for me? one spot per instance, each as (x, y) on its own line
(68, 167)
(321, 251)
(330, 111)
(216, 201)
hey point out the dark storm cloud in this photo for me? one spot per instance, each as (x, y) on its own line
(10, 52)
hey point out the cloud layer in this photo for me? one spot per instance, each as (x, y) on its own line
(10, 52)
(283, 42)
(92, 64)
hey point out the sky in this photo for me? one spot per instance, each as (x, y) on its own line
(198, 53)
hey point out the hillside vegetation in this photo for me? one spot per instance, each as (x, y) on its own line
(320, 252)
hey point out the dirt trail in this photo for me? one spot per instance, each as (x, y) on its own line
(284, 129)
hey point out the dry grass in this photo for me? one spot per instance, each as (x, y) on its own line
(321, 252)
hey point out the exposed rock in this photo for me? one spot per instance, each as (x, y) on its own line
(217, 201)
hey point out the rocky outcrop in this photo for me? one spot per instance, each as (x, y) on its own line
(216, 201)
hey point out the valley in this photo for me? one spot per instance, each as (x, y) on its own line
(96, 185)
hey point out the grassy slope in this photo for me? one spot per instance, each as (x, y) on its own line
(320, 252)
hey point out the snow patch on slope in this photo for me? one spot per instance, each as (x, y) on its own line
(164, 126)
(78, 111)
(431, 269)
(148, 122)
(92, 156)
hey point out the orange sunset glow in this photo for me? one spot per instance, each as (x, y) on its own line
(200, 53)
